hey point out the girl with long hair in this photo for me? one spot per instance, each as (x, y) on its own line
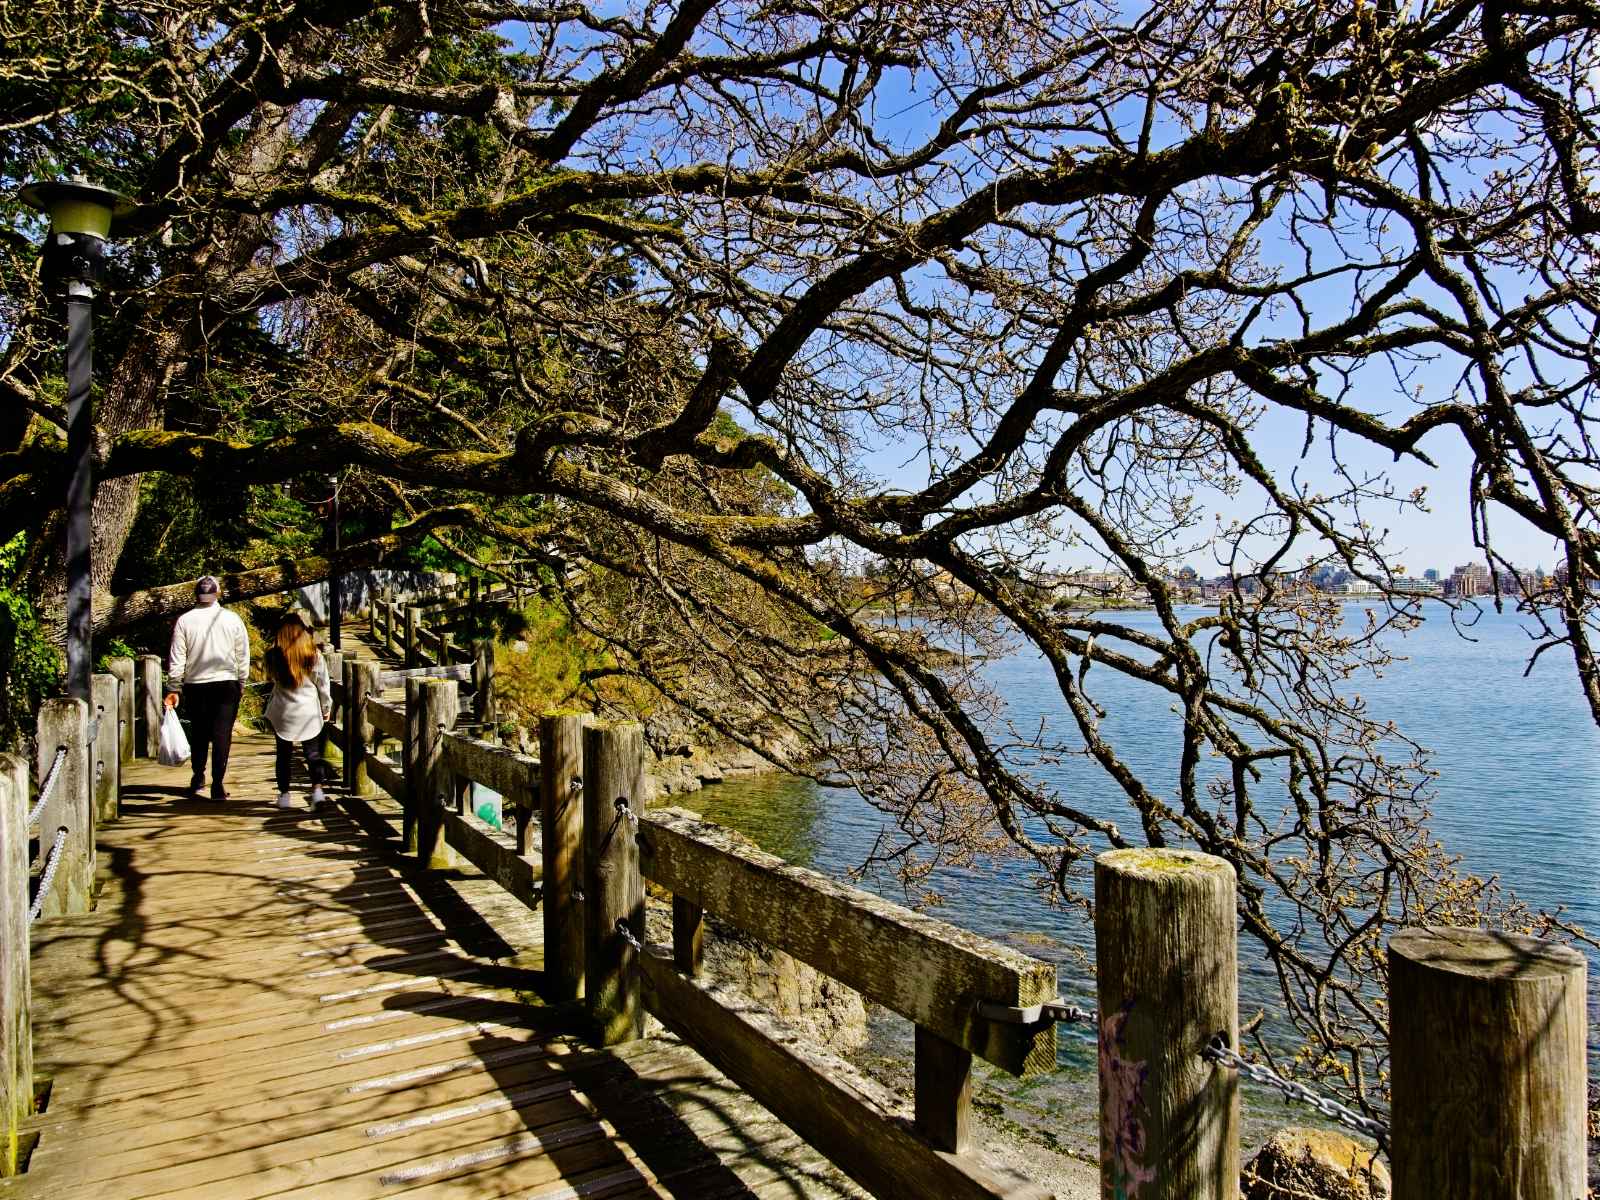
(301, 702)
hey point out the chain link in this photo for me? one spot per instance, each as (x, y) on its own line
(627, 936)
(49, 875)
(624, 811)
(94, 729)
(48, 785)
(1220, 1053)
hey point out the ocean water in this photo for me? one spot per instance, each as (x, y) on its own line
(1517, 796)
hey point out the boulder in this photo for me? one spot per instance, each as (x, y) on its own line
(1314, 1164)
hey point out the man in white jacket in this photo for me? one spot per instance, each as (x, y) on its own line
(209, 663)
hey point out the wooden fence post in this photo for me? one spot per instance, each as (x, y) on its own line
(408, 765)
(613, 777)
(437, 708)
(105, 760)
(483, 679)
(1166, 959)
(1487, 1036)
(333, 753)
(65, 722)
(16, 986)
(149, 706)
(360, 682)
(380, 604)
(561, 850)
(123, 669)
(413, 650)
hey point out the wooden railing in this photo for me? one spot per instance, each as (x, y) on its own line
(1488, 1031)
(1505, 1009)
(80, 748)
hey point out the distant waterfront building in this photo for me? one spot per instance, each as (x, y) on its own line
(1431, 574)
(1469, 580)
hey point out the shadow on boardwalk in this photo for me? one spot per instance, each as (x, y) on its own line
(271, 1002)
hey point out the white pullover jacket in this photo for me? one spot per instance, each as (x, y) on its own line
(209, 645)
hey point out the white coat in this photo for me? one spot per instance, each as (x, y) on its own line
(295, 713)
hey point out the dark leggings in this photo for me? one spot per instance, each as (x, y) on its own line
(314, 764)
(211, 708)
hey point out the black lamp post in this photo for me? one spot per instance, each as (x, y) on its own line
(335, 583)
(74, 261)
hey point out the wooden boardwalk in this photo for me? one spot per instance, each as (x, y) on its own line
(266, 1003)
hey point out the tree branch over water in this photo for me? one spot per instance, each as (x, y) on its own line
(796, 349)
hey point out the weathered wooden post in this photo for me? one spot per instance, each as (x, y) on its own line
(334, 751)
(613, 793)
(561, 851)
(437, 707)
(447, 647)
(688, 942)
(65, 723)
(16, 985)
(105, 759)
(1487, 1035)
(475, 600)
(413, 650)
(1166, 956)
(123, 669)
(149, 705)
(408, 765)
(360, 682)
(380, 602)
(483, 679)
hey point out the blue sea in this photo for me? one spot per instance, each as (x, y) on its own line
(1517, 796)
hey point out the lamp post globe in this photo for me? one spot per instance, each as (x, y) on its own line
(81, 217)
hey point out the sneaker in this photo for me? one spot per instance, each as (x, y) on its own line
(316, 795)
(284, 801)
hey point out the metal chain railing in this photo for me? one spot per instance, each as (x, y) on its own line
(627, 936)
(48, 877)
(48, 785)
(1223, 1055)
(624, 811)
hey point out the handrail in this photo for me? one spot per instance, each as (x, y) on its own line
(926, 970)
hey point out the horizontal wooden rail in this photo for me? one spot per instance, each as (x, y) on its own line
(927, 970)
(386, 775)
(514, 776)
(387, 719)
(857, 1123)
(480, 846)
(460, 672)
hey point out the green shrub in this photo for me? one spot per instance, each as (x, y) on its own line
(31, 667)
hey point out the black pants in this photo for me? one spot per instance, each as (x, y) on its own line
(314, 763)
(212, 708)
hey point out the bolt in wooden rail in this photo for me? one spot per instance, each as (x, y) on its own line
(16, 1027)
(123, 669)
(613, 783)
(65, 722)
(148, 735)
(1487, 1037)
(561, 846)
(1166, 969)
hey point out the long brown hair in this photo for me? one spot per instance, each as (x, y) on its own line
(296, 652)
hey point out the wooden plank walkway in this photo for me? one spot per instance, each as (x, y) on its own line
(263, 1004)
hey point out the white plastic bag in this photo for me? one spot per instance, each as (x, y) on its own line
(174, 748)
